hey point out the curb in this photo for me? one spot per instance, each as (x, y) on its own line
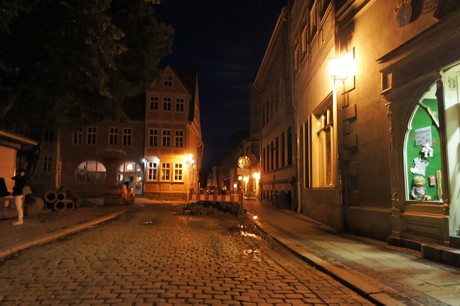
(372, 293)
(40, 241)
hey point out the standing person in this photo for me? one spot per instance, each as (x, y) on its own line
(18, 194)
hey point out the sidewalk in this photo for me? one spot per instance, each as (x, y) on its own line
(387, 275)
(43, 226)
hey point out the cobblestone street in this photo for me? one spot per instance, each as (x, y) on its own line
(155, 255)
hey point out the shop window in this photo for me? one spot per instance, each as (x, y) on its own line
(90, 172)
(322, 145)
(423, 153)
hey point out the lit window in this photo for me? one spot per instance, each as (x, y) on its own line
(165, 171)
(90, 172)
(152, 171)
(323, 143)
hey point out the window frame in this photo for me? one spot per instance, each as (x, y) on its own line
(165, 172)
(178, 172)
(113, 136)
(324, 145)
(127, 136)
(91, 135)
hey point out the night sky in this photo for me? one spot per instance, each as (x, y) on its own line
(224, 42)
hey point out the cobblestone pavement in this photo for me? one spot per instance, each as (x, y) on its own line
(155, 255)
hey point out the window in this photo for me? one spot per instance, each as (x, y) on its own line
(322, 145)
(113, 136)
(48, 137)
(167, 104)
(277, 155)
(313, 21)
(152, 171)
(168, 81)
(264, 160)
(165, 171)
(296, 58)
(127, 136)
(289, 147)
(322, 7)
(272, 159)
(90, 172)
(91, 135)
(283, 150)
(178, 172)
(179, 139)
(304, 40)
(166, 138)
(153, 138)
(154, 103)
(180, 105)
(307, 154)
(47, 163)
(78, 136)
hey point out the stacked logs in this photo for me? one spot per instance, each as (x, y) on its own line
(58, 201)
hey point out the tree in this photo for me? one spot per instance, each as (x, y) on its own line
(74, 62)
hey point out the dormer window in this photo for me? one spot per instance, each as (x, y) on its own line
(168, 81)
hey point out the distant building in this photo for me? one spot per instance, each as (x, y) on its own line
(157, 151)
(274, 117)
(173, 148)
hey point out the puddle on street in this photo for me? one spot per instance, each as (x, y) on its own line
(252, 254)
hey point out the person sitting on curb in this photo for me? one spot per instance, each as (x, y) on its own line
(18, 194)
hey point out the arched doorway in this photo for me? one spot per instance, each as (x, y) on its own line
(450, 80)
(132, 173)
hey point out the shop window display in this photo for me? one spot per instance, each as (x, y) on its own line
(423, 153)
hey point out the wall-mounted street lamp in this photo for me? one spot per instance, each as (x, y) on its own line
(341, 68)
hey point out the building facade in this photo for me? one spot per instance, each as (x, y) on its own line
(376, 113)
(173, 141)
(271, 90)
